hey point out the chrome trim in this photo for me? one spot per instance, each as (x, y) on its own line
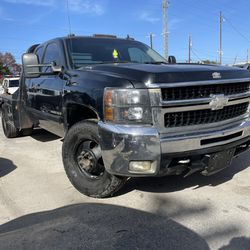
(121, 144)
(203, 106)
(178, 144)
(202, 100)
(195, 83)
(160, 108)
(204, 127)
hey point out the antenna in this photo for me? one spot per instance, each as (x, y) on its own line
(165, 5)
(68, 15)
(70, 31)
(221, 24)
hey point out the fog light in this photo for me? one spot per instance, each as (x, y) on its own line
(142, 167)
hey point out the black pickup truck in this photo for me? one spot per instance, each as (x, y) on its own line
(124, 111)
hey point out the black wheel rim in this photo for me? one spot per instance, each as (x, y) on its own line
(89, 159)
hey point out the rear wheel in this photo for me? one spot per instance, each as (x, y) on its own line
(9, 129)
(83, 162)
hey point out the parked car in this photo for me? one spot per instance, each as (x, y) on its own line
(9, 85)
(125, 111)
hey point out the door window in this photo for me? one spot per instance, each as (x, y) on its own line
(52, 54)
(39, 53)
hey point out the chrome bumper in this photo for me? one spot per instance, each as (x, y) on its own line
(123, 143)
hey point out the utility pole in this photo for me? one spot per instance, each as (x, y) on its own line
(165, 5)
(151, 40)
(221, 51)
(151, 35)
(189, 48)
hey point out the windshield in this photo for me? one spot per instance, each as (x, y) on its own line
(13, 83)
(88, 51)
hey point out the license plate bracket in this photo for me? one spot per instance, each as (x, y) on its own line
(217, 161)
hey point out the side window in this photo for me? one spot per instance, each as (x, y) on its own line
(52, 54)
(39, 53)
(138, 55)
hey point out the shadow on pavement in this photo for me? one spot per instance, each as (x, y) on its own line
(98, 226)
(241, 243)
(176, 183)
(43, 135)
(6, 166)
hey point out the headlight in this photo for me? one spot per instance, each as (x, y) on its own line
(127, 106)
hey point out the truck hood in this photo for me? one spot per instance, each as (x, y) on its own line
(141, 75)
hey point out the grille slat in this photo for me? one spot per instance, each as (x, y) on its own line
(206, 116)
(203, 91)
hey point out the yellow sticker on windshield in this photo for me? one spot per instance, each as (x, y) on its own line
(115, 54)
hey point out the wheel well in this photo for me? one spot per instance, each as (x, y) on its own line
(77, 113)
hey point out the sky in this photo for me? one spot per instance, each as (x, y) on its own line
(27, 22)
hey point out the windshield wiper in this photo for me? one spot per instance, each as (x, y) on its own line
(157, 62)
(105, 62)
(108, 62)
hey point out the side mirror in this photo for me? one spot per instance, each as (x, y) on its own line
(171, 60)
(30, 64)
(56, 68)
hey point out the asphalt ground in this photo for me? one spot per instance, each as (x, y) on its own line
(39, 208)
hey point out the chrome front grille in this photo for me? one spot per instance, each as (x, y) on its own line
(200, 105)
(205, 116)
(203, 91)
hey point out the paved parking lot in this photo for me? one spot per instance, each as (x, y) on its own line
(39, 209)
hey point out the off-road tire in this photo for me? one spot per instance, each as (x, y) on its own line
(105, 185)
(9, 129)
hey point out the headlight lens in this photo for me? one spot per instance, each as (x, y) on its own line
(127, 106)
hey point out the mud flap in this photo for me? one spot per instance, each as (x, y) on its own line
(217, 162)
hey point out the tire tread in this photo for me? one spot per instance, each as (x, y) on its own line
(89, 127)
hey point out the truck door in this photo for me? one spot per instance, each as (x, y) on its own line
(47, 92)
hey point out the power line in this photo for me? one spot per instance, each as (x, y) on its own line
(196, 54)
(236, 30)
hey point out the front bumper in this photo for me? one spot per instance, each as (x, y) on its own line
(122, 144)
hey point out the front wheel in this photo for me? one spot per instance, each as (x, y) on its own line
(83, 162)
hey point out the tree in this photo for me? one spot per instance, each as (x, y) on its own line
(9, 61)
(3, 71)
